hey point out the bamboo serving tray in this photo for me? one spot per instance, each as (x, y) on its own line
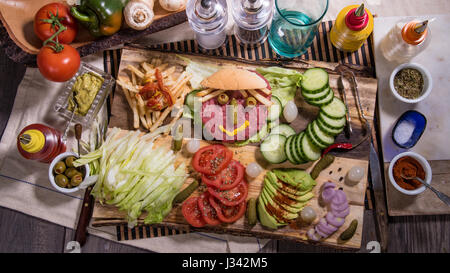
(17, 17)
(121, 117)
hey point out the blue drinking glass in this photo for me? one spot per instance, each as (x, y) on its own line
(295, 24)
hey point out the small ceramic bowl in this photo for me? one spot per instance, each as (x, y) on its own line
(427, 82)
(51, 176)
(425, 166)
(411, 118)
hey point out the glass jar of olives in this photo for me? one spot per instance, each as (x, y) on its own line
(64, 176)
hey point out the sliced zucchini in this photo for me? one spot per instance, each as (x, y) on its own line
(335, 109)
(315, 80)
(314, 138)
(321, 136)
(325, 101)
(327, 129)
(332, 123)
(283, 129)
(272, 149)
(311, 151)
(316, 96)
(275, 110)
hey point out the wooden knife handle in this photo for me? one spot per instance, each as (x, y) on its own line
(85, 217)
(381, 218)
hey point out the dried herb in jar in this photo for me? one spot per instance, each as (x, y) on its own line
(408, 83)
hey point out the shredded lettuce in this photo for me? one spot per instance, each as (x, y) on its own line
(134, 175)
(199, 71)
(284, 82)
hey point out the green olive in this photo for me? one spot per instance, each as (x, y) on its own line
(223, 98)
(70, 172)
(250, 101)
(69, 161)
(61, 180)
(59, 167)
(76, 180)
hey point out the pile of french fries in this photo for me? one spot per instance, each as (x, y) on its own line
(177, 85)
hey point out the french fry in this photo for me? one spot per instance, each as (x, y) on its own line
(163, 66)
(127, 85)
(132, 104)
(204, 92)
(243, 93)
(169, 71)
(147, 67)
(148, 117)
(177, 89)
(266, 91)
(212, 95)
(135, 70)
(260, 97)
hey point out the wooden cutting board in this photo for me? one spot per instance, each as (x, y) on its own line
(120, 117)
(17, 16)
(433, 144)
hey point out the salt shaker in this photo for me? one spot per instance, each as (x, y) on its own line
(252, 18)
(208, 19)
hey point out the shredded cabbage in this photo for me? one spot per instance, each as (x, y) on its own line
(134, 175)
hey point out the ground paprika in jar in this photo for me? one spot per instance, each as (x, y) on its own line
(409, 167)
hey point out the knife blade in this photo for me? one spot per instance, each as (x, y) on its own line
(341, 88)
(378, 192)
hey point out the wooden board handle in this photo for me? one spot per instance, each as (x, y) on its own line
(85, 217)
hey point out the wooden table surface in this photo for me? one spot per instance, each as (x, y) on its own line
(23, 233)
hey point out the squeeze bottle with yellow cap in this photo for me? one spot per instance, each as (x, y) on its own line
(40, 142)
(405, 40)
(353, 26)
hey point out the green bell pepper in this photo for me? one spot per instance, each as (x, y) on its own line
(100, 17)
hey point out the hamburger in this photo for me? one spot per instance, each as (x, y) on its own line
(234, 104)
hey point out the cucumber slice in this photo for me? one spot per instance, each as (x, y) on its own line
(272, 149)
(283, 129)
(335, 109)
(314, 138)
(190, 99)
(325, 101)
(298, 158)
(320, 135)
(287, 149)
(332, 123)
(275, 110)
(298, 147)
(317, 96)
(315, 80)
(327, 129)
(311, 151)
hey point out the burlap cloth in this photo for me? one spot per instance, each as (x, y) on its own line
(24, 185)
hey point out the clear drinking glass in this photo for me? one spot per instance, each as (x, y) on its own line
(295, 25)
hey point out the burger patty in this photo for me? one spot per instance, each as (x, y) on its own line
(218, 119)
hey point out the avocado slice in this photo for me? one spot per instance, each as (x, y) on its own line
(296, 198)
(295, 177)
(282, 215)
(264, 217)
(272, 210)
(285, 188)
(296, 207)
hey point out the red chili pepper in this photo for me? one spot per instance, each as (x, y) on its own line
(343, 145)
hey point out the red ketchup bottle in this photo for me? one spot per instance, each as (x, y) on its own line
(40, 142)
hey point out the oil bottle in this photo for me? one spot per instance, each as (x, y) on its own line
(40, 142)
(353, 26)
(405, 40)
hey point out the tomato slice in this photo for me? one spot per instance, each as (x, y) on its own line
(228, 178)
(228, 214)
(207, 211)
(231, 197)
(211, 159)
(192, 213)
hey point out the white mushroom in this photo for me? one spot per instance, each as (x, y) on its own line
(139, 14)
(172, 5)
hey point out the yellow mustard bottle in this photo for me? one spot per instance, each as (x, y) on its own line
(353, 26)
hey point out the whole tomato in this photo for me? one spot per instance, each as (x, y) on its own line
(45, 23)
(58, 66)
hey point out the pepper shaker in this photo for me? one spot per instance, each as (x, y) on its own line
(252, 18)
(208, 19)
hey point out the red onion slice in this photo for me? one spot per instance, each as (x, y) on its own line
(325, 227)
(328, 184)
(342, 214)
(318, 231)
(339, 208)
(339, 198)
(312, 235)
(328, 195)
(333, 220)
